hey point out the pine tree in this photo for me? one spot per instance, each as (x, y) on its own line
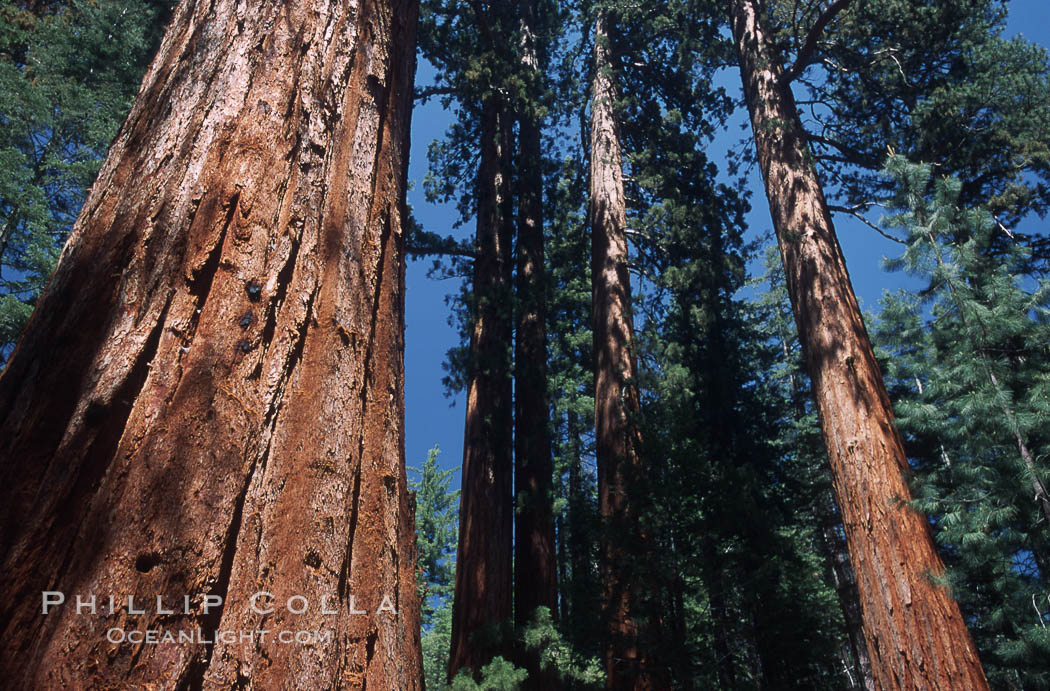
(571, 383)
(496, 72)
(535, 567)
(208, 398)
(731, 505)
(933, 81)
(437, 510)
(68, 73)
(472, 45)
(970, 366)
(483, 562)
(806, 467)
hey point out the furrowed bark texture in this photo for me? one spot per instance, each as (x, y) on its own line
(535, 582)
(209, 398)
(616, 403)
(483, 593)
(915, 633)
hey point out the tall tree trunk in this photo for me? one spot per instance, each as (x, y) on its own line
(915, 633)
(616, 404)
(535, 582)
(483, 592)
(535, 560)
(208, 400)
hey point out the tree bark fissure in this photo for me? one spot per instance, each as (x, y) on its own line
(915, 632)
(208, 399)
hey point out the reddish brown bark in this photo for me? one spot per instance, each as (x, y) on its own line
(616, 403)
(208, 399)
(483, 593)
(535, 575)
(915, 633)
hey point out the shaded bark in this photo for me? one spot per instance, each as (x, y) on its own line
(535, 583)
(208, 400)
(616, 403)
(535, 560)
(836, 555)
(483, 595)
(914, 630)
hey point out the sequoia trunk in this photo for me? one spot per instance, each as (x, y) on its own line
(483, 593)
(535, 583)
(207, 402)
(616, 403)
(535, 561)
(915, 633)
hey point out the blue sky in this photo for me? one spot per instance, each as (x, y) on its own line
(434, 419)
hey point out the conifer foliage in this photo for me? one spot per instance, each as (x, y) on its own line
(685, 465)
(68, 73)
(969, 356)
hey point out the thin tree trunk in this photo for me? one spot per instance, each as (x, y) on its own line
(483, 594)
(616, 404)
(580, 538)
(561, 527)
(915, 632)
(716, 598)
(208, 400)
(837, 558)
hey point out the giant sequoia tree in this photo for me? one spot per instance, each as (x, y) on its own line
(207, 401)
(534, 566)
(483, 592)
(915, 633)
(616, 404)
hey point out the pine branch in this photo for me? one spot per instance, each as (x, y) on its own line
(427, 92)
(805, 54)
(852, 211)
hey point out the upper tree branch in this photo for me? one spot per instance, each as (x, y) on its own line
(426, 92)
(805, 54)
(852, 211)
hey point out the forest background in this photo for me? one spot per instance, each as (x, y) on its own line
(435, 419)
(99, 63)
